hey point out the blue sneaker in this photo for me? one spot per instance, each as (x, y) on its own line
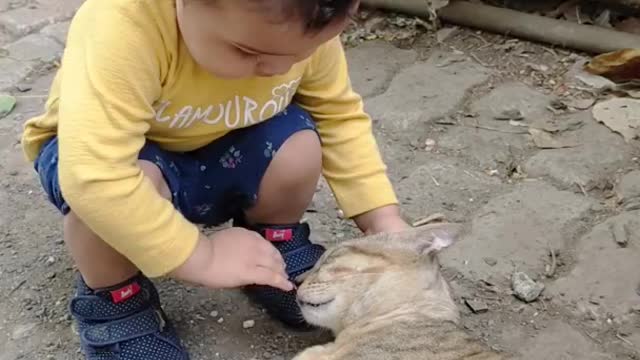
(300, 255)
(124, 322)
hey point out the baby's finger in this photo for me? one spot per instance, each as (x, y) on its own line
(264, 276)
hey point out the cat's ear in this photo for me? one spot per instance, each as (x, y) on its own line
(437, 237)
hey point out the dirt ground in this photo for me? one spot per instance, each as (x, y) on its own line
(550, 213)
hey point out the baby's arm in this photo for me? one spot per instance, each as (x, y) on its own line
(113, 67)
(352, 163)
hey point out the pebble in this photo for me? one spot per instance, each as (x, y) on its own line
(477, 306)
(429, 144)
(213, 314)
(620, 233)
(23, 87)
(490, 261)
(221, 320)
(51, 260)
(248, 324)
(524, 288)
(23, 331)
(510, 114)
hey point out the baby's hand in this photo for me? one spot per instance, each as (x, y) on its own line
(232, 258)
(385, 219)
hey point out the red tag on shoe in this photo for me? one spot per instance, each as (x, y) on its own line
(125, 292)
(277, 235)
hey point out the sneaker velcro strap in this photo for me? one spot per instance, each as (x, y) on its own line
(101, 308)
(302, 259)
(144, 323)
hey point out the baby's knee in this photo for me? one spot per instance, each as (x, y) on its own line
(302, 156)
(153, 173)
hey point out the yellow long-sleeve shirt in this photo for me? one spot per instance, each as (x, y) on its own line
(126, 74)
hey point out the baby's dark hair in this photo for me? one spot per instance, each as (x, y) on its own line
(316, 14)
(319, 13)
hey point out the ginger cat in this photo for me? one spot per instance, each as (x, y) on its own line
(384, 298)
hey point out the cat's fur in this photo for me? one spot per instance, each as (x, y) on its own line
(384, 298)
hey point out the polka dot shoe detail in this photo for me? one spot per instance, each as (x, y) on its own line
(300, 255)
(124, 322)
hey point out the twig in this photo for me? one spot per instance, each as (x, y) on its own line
(435, 181)
(554, 262)
(476, 58)
(584, 191)
(481, 38)
(625, 341)
(497, 130)
(470, 174)
(578, 18)
(17, 287)
(592, 39)
(592, 337)
(544, 304)
(437, 217)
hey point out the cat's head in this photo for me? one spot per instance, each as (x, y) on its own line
(373, 275)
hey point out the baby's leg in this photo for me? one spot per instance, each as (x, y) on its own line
(290, 181)
(100, 265)
(116, 309)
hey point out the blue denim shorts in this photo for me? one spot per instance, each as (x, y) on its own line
(212, 184)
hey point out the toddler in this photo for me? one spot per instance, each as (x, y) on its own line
(169, 114)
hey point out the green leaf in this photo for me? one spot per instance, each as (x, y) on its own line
(7, 103)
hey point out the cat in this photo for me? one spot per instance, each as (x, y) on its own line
(384, 298)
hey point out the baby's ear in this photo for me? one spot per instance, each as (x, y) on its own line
(437, 237)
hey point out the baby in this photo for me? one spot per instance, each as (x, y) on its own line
(167, 114)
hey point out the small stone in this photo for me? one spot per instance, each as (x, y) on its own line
(23, 331)
(525, 288)
(248, 324)
(620, 233)
(629, 186)
(632, 205)
(51, 260)
(23, 88)
(429, 144)
(221, 320)
(213, 314)
(490, 261)
(477, 306)
(510, 114)
(51, 275)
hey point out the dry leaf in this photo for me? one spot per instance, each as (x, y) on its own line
(437, 4)
(618, 66)
(545, 140)
(622, 115)
(445, 33)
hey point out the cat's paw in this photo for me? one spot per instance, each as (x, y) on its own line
(313, 353)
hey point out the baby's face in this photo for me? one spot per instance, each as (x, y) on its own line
(231, 40)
